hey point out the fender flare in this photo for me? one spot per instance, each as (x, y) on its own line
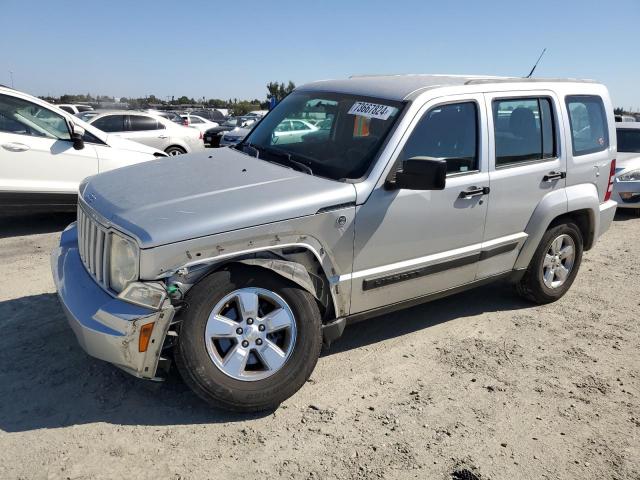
(582, 197)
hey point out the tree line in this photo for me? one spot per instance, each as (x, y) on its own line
(277, 90)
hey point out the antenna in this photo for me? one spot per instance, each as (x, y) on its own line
(537, 61)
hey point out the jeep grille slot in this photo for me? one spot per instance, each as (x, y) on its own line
(93, 243)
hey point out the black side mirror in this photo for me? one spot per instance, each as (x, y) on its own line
(77, 136)
(422, 173)
(78, 141)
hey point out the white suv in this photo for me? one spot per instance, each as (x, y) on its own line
(152, 130)
(45, 153)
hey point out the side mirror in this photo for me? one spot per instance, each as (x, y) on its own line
(422, 173)
(77, 136)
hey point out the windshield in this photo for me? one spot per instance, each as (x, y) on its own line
(628, 140)
(347, 133)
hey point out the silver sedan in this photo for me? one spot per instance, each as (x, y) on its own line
(626, 187)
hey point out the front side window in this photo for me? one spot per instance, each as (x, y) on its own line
(589, 128)
(140, 123)
(339, 152)
(26, 118)
(110, 123)
(628, 139)
(448, 132)
(524, 130)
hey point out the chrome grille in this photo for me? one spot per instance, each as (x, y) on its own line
(93, 243)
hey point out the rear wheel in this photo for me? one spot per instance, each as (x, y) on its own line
(554, 266)
(175, 150)
(248, 340)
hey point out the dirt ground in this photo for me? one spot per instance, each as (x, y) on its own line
(480, 381)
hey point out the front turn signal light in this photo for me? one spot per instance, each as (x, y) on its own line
(145, 336)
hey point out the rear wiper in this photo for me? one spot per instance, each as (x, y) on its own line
(285, 155)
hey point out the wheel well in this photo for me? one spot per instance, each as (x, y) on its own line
(287, 262)
(175, 146)
(584, 221)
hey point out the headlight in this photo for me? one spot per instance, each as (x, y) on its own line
(123, 262)
(632, 176)
(149, 295)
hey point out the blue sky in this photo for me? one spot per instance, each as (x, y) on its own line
(233, 48)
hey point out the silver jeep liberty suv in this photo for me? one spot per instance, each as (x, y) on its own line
(350, 199)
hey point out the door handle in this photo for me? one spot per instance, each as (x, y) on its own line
(15, 147)
(553, 176)
(162, 136)
(474, 192)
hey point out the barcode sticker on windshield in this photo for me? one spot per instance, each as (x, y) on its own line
(372, 110)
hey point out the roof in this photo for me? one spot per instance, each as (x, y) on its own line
(405, 87)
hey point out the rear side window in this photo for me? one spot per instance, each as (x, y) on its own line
(524, 130)
(110, 123)
(628, 140)
(448, 132)
(589, 129)
(140, 123)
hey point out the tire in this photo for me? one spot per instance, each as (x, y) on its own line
(175, 150)
(533, 286)
(196, 358)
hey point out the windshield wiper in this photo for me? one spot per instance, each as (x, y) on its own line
(289, 161)
(242, 146)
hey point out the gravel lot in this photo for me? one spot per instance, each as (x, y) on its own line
(481, 381)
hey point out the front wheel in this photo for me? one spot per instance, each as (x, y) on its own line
(554, 265)
(248, 339)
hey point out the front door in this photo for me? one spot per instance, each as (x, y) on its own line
(410, 243)
(527, 161)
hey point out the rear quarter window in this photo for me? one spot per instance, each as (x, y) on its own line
(589, 128)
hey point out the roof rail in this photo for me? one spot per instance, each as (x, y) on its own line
(475, 81)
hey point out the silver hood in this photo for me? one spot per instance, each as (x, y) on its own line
(189, 196)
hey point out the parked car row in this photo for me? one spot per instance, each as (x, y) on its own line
(45, 152)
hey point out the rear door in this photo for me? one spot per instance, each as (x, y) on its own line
(527, 161)
(147, 130)
(37, 158)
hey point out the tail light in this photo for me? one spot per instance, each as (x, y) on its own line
(201, 136)
(612, 174)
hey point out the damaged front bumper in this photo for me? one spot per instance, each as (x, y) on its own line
(106, 327)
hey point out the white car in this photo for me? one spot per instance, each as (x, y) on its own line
(45, 153)
(292, 131)
(199, 123)
(152, 130)
(626, 187)
(73, 109)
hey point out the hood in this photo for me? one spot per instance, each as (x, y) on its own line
(627, 161)
(131, 146)
(189, 196)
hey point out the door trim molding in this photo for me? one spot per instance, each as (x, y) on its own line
(439, 262)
